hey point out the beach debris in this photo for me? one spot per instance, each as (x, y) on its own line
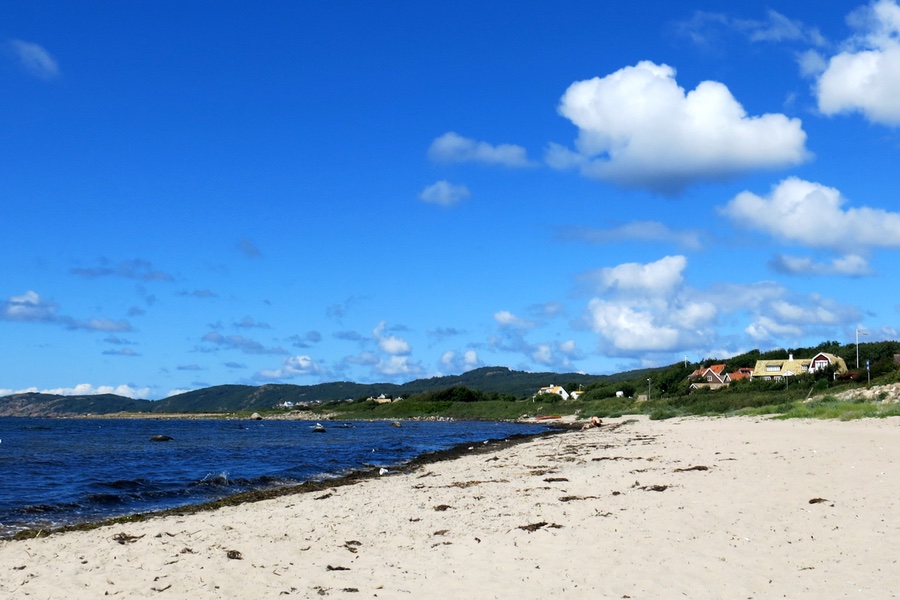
(695, 468)
(535, 526)
(161, 438)
(123, 538)
(383, 471)
(352, 546)
(350, 590)
(654, 488)
(338, 568)
(818, 500)
(442, 507)
(161, 589)
(441, 532)
(555, 479)
(540, 472)
(324, 496)
(571, 498)
(187, 550)
(467, 484)
(234, 555)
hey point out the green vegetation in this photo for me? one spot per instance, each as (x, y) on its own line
(500, 393)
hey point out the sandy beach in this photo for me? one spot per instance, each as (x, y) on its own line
(687, 508)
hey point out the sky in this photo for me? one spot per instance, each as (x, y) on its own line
(205, 193)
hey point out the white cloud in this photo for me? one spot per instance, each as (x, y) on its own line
(293, 366)
(454, 148)
(630, 329)
(638, 127)
(28, 307)
(31, 308)
(35, 59)
(508, 319)
(810, 213)
(444, 193)
(390, 344)
(453, 362)
(675, 317)
(86, 389)
(656, 278)
(865, 77)
(397, 365)
(850, 265)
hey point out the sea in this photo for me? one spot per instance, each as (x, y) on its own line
(56, 472)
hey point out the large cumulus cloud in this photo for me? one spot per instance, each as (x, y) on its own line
(865, 76)
(639, 128)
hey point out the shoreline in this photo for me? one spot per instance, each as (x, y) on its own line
(325, 481)
(701, 507)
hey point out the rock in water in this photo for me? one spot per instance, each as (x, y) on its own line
(256, 417)
(161, 438)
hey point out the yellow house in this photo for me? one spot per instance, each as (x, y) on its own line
(780, 368)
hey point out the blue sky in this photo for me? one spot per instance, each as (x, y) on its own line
(205, 193)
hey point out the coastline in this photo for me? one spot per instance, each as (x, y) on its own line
(699, 507)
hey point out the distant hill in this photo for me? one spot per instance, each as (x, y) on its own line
(53, 405)
(231, 398)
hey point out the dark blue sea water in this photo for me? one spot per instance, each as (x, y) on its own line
(63, 471)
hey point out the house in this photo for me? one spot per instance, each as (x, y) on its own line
(576, 395)
(554, 389)
(714, 377)
(381, 399)
(778, 369)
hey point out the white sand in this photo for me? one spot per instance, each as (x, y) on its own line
(744, 528)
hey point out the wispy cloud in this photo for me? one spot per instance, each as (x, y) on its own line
(121, 352)
(251, 323)
(706, 29)
(239, 342)
(851, 265)
(31, 308)
(637, 231)
(249, 248)
(205, 293)
(34, 59)
(454, 148)
(444, 193)
(190, 367)
(139, 269)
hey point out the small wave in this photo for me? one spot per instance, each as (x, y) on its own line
(215, 479)
(106, 499)
(123, 484)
